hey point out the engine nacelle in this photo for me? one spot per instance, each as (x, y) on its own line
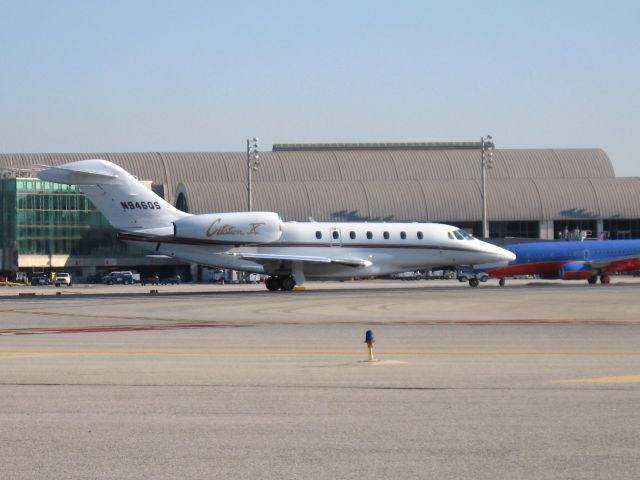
(575, 271)
(230, 228)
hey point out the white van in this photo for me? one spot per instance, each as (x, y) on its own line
(63, 279)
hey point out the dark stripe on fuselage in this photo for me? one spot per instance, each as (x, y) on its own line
(184, 241)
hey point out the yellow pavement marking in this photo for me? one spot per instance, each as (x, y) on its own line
(616, 379)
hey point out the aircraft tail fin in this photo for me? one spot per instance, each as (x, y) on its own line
(126, 202)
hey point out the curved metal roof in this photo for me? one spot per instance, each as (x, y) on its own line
(567, 198)
(617, 197)
(397, 200)
(517, 199)
(378, 185)
(452, 200)
(171, 167)
(426, 200)
(378, 165)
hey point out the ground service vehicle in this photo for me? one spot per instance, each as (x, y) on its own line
(124, 278)
(472, 276)
(411, 275)
(63, 279)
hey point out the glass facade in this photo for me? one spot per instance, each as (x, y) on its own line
(572, 229)
(43, 218)
(622, 229)
(7, 213)
(501, 229)
(517, 229)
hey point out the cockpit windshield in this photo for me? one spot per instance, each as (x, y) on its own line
(460, 235)
(466, 235)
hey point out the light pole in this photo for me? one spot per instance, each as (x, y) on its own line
(252, 166)
(486, 161)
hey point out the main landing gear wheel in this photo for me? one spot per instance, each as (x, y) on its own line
(502, 282)
(605, 279)
(288, 283)
(593, 280)
(285, 283)
(273, 283)
(473, 282)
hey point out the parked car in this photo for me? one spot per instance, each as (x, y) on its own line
(411, 275)
(153, 280)
(39, 280)
(177, 280)
(124, 278)
(63, 279)
(472, 276)
(95, 278)
(440, 274)
(135, 276)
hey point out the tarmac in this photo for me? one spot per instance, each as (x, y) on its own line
(534, 380)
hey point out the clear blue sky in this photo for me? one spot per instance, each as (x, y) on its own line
(205, 75)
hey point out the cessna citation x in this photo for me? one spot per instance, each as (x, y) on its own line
(260, 242)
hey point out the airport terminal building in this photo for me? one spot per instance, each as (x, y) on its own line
(531, 193)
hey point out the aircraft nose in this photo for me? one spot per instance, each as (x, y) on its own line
(501, 253)
(510, 256)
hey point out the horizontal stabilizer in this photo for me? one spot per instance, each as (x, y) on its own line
(605, 263)
(74, 176)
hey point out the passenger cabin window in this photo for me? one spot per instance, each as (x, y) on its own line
(336, 235)
(386, 235)
(403, 235)
(352, 235)
(420, 236)
(369, 235)
(318, 234)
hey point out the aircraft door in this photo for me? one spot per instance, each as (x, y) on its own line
(335, 237)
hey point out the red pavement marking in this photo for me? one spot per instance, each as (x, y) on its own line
(108, 328)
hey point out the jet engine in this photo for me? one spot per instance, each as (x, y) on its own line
(230, 228)
(575, 271)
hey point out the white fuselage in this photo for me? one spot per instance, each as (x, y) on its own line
(385, 247)
(260, 242)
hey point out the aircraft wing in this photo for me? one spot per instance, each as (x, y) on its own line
(618, 264)
(273, 257)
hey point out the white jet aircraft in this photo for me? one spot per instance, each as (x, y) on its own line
(260, 242)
